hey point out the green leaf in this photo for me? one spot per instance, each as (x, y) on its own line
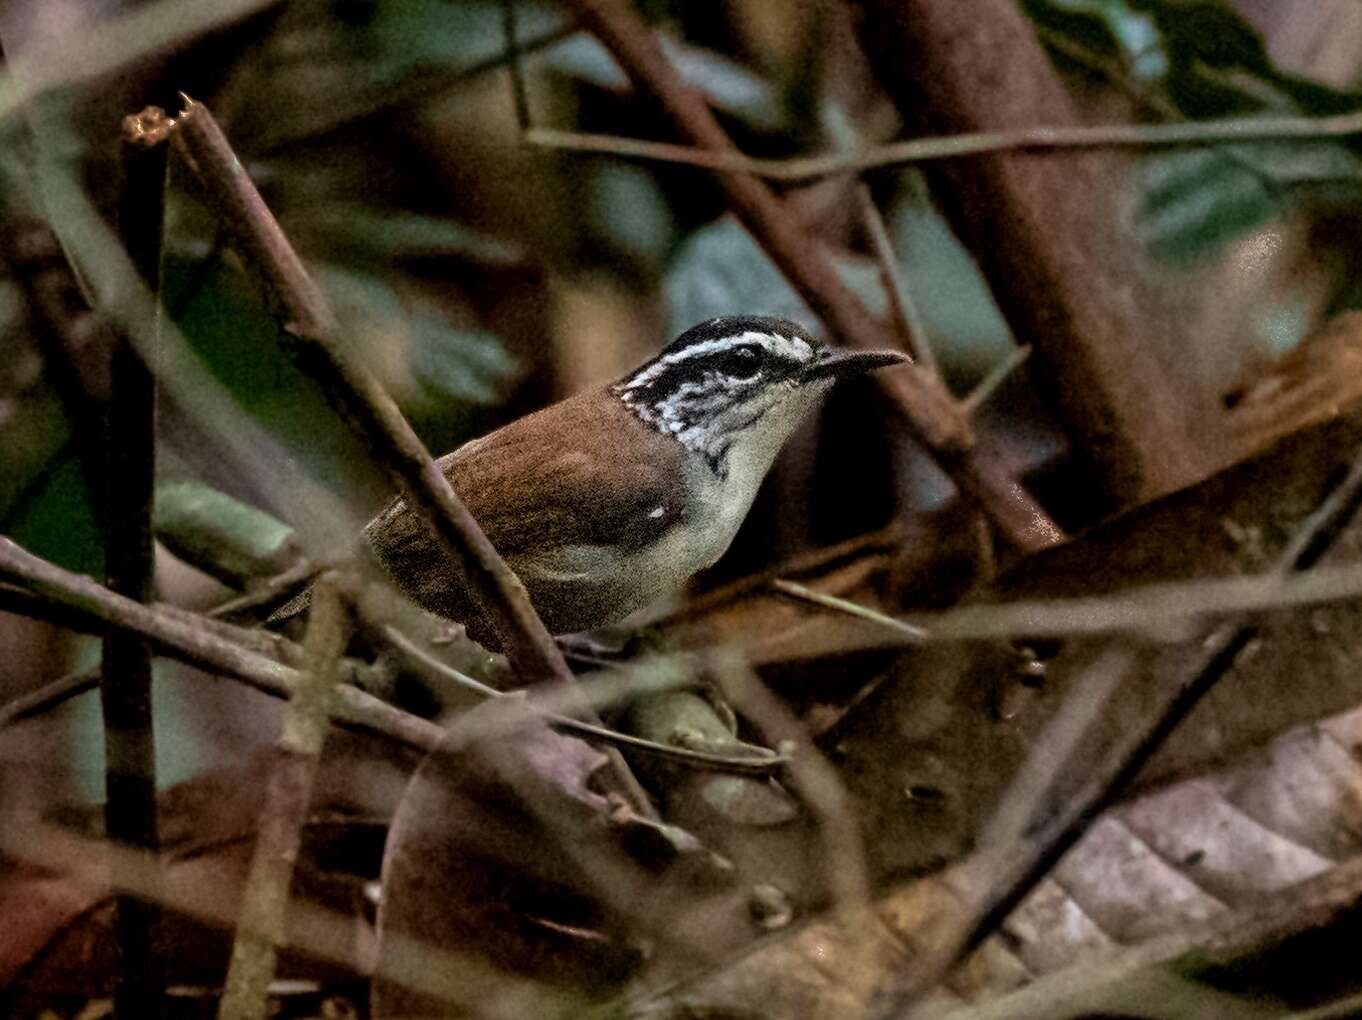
(468, 365)
(237, 340)
(720, 270)
(1110, 27)
(222, 536)
(1198, 200)
(388, 330)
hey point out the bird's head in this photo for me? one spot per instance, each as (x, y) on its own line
(736, 382)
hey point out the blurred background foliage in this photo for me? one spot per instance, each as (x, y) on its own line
(482, 277)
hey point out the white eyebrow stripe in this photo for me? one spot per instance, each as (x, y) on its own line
(792, 347)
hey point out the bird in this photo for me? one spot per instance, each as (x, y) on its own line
(613, 498)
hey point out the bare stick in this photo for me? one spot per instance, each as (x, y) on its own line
(268, 593)
(252, 656)
(373, 415)
(988, 384)
(926, 406)
(49, 696)
(921, 150)
(261, 926)
(911, 326)
(183, 638)
(804, 593)
(128, 485)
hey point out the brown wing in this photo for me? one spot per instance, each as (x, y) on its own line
(582, 472)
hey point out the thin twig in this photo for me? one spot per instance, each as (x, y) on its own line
(374, 417)
(253, 657)
(199, 645)
(926, 406)
(921, 150)
(261, 927)
(267, 594)
(976, 397)
(48, 697)
(1155, 103)
(860, 612)
(884, 539)
(760, 762)
(906, 314)
(128, 486)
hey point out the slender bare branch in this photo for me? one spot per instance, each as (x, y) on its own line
(909, 319)
(261, 926)
(922, 150)
(185, 639)
(804, 593)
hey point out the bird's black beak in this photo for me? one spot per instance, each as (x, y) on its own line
(840, 364)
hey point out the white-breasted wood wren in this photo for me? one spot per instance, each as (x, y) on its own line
(613, 498)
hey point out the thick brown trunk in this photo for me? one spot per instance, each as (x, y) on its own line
(1044, 228)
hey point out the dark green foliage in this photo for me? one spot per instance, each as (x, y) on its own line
(1202, 59)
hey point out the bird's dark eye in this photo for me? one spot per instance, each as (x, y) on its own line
(739, 363)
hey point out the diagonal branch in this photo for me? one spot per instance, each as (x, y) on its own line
(203, 643)
(924, 403)
(372, 414)
(288, 793)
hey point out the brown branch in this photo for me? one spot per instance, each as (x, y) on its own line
(925, 404)
(806, 169)
(371, 413)
(261, 926)
(265, 661)
(201, 643)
